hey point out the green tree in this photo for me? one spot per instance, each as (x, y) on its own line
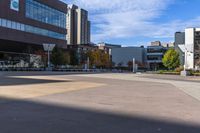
(73, 58)
(59, 57)
(171, 59)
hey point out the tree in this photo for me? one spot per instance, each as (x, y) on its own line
(94, 57)
(99, 58)
(105, 60)
(59, 57)
(171, 59)
(73, 58)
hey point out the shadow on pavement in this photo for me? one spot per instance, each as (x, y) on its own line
(30, 117)
(11, 81)
(6, 78)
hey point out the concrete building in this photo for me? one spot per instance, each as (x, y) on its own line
(168, 45)
(107, 47)
(189, 44)
(121, 56)
(164, 44)
(72, 24)
(156, 43)
(26, 25)
(78, 26)
(192, 47)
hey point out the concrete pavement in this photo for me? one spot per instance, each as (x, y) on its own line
(96, 103)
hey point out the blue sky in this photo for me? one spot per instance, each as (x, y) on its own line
(138, 22)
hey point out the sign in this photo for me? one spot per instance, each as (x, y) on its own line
(48, 47)
(14, 5)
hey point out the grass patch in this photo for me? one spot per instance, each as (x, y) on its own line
(168, 72)
(196, 74)
(174, 72)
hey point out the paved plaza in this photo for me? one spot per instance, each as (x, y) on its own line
(50, 102)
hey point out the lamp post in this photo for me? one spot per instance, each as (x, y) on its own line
(133, 65)
(48, 48)
(88, 63)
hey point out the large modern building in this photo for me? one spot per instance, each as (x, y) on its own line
(26, 25)
(78, 26)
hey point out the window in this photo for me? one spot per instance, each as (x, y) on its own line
(18, 26)
(22, 27)
(3, 22)
(31, 29)
(46, 14)
(14, 25)
(8, 24)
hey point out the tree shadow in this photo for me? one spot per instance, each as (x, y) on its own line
(13, 78)
(11, 81)
(19, 116)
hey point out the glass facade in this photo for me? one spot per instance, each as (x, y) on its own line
(45, 14)
(31, 29)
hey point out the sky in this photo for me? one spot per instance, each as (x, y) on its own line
(139, 22)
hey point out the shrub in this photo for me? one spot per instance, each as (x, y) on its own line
(171, 59)
(179, 69)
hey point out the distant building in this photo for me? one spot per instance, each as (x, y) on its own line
(78, 52)
(155, 53)
(78, 26)
(188, 45)
(192, 47)
(168, 45)
(107, 47)
(122, 56)
(180, 40)
(156, 43)
(164, 44)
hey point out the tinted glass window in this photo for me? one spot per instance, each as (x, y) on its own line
(31, 29)
(46, 14)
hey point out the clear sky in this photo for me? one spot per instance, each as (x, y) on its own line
(138, 22)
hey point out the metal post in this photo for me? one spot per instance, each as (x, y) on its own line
(133, 65)
(88, 63)
(48, 48)
(185, 60)
(48, 59)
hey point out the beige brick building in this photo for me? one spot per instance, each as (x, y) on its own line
(78, 26)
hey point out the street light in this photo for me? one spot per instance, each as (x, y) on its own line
(48, 48)
(134, 69)
(88, 63)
